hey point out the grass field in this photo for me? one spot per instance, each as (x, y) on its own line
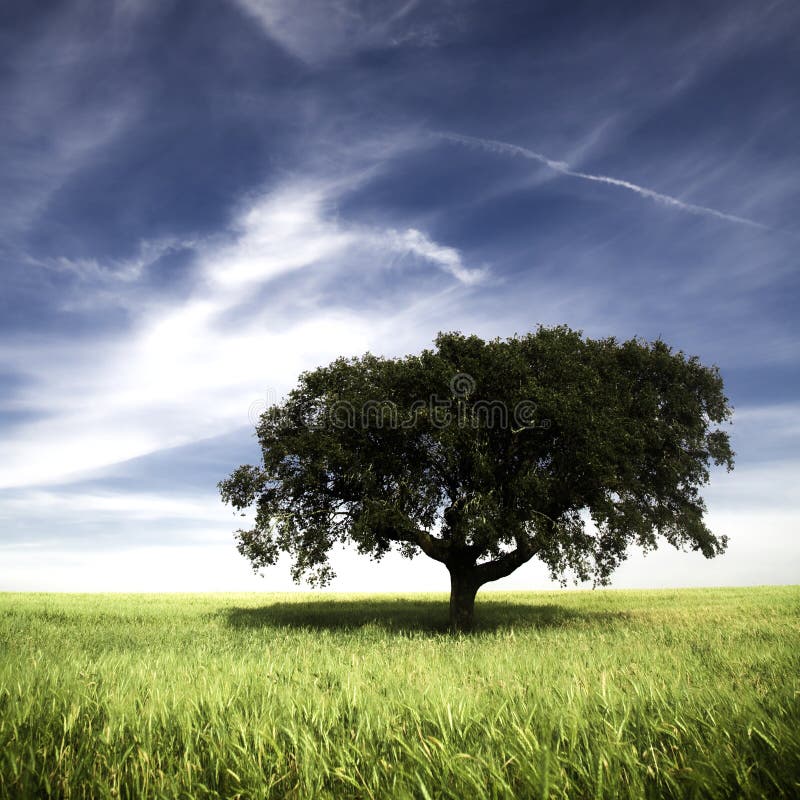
(613, 694)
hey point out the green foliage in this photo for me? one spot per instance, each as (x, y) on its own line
(660, 694)
(483, 455)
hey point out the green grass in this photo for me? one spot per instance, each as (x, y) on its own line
(613, 694)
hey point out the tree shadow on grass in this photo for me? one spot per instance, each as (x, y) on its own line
(406, 615)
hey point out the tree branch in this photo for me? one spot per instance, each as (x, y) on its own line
(507, 563)
(433, 547)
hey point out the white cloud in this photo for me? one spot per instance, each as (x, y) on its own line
(287, 229)
(151, 568)
(449, 258)
(66, 504)
(178, 380)
(183, 373)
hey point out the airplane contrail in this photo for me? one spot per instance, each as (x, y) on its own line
(564, 169)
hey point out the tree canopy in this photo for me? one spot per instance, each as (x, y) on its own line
(485, 454)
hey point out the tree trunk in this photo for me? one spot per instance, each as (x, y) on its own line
(463, 588)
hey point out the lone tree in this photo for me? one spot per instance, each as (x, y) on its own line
(484, 454)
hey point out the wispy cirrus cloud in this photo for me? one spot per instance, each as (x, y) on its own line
(57, 117)
(325, 30)
(563, 168)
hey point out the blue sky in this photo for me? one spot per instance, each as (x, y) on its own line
(202, 199)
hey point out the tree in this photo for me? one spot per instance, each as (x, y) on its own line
(484, 454)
